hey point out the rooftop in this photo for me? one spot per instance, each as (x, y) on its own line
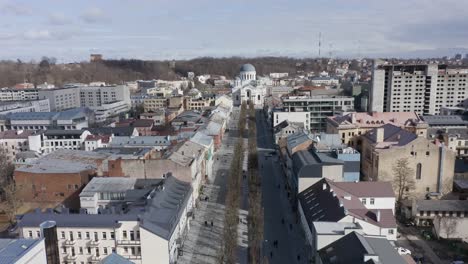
(116, 131)
(16, 134)
(108, 184)
(392, 135)
(11, 250)
(115, 258)
(166, 207)
(141, 140)
(353, 248)
(377, 119)
(443, 120)
(334, 228)
(442, 205)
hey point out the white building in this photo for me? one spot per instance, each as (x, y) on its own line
(420, 88)
(108, 110)
(19, 94)
(246, 88)
(325, 81)
(93, 142)
(371, 205)
(155, 142)
(149, 236)
(292, 117)
(61, 99)
(52, 140)
(24, 106)
(96, 96)
(23, 251)
(15, 141)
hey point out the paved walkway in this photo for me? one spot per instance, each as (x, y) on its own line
(203, 242)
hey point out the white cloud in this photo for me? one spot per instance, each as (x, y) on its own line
(93, 15)
(16, 9)
(58, 19)
(37, 34)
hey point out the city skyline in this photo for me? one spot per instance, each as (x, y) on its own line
(164, 29)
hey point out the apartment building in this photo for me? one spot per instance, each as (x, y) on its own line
(52, 140)
(19, 94)
(432, 162)
(420, 88)
(147, 231)
(318, 108)
(97, 96)
(24, 106)
(61, 99)
(351, 126)
(153, 104)
(456, 139)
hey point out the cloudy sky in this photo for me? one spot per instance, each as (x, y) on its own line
(164, 29)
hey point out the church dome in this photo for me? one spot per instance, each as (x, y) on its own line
(247, 68)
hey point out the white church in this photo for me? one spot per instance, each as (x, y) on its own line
(246, 88)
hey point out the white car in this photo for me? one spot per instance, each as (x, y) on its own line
(403, 251)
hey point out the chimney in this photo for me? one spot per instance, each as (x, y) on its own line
(347, 197)
(378, 215)
(353, 118)
(379, 135)
(324, 186)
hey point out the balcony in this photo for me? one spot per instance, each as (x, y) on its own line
(69, 242)
(128, 242)
(95, 258)
(70, 257)
(93, 243)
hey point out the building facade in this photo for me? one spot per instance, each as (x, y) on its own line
(420, 88)
(61, 99)
(19, 94)
(246, 89)
(318, 108)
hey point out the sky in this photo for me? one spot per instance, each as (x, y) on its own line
(70, 30)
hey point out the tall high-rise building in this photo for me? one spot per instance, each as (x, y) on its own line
(420, 88)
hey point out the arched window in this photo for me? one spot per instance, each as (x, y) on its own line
(418, 171)
(258, 96)
(237, 97)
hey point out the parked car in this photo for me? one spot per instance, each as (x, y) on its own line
(409, 223)
(403, 251)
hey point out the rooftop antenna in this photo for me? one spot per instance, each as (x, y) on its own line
(319, 43)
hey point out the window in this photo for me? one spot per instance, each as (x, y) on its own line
(96, 238)
(80, 250)
(105, 251)
(133, 250)
(428, 213)
(88, 249)
(87, 235)
(62, 234)
(126, 250)
(104, 235)
(364, 200)
(372, 201)
(391, 231)
(64, 250)
(124, 234)
(112, 236)
(418, 171)
(79, 235)
(427, 152)
(38, 233)
(30, 234)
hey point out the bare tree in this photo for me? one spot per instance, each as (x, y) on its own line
(403, 180)
(7, 168)
(12, 200)
(448, 225)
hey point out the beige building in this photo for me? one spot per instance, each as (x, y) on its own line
(351, 126)
(432, 163)
(154, 104)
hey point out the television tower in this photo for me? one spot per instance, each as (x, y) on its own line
(320, 43)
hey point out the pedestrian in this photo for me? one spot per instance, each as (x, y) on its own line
(282, 221)
(298, 257)
(271, 254)
(206, 223)
(211, 223)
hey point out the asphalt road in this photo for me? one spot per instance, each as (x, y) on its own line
(291, 240)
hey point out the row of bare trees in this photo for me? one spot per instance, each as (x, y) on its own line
(10, 202)
(255, 219)
(234, 183)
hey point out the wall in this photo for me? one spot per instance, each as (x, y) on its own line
(154, 249)
(300, 117)
(380, 166)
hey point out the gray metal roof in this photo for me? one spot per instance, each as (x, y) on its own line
(247, 68)
(392, 133)
(202, 139)
(115, 258)
(442, 205)
(307, 164)
(34, 219)
(441, 120)
(11, 250)
(140, 140)
(116, 131)
(108, 185)
(165, 209)
(353, 247)
(59, 132)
